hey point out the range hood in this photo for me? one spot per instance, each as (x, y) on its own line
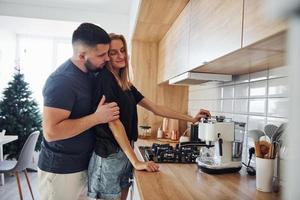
(195, 78)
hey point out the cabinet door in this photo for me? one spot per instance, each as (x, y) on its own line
(173, 48)
(257, 25)
(216, 29)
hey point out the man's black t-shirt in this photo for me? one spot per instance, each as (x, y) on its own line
(70, 89)
(127, 101)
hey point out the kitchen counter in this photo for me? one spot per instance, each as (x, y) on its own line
(186, 181)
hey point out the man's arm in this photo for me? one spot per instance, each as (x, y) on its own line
(167, 112)
(58, 126)
(119, 133)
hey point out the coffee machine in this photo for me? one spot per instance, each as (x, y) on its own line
(224, 142)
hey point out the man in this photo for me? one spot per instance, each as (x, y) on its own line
(67, 118)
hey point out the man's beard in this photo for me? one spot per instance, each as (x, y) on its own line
(92, 68)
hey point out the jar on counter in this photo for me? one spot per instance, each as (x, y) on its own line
(144, 131)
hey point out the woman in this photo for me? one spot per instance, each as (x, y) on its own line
(110, 167)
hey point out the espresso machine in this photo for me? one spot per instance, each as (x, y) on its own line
(224, 145)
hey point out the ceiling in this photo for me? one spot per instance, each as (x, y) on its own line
(43, 15)
(106, 6)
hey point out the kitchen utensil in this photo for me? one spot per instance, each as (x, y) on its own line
(265, 138)
(174, 135)
(270, 153)
(270, 129)
(262, 149)
(275, 180)
(275, 184)
(282, 150)
(257, 150)
(165, 124)
(255, 134)
(279, 132)
(168, 126)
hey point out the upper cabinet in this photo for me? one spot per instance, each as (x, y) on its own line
(221, 36)
(173, 48)
(256, 25)
(216, 29)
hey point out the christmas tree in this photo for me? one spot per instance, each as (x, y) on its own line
(19, 115)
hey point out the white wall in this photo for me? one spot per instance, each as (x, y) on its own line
(38, 27)
(7, 57)
(134, 11)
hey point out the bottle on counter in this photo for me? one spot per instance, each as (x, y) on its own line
(159, 133)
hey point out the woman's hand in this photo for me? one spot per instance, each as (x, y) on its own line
(149, 166)
(201, 114)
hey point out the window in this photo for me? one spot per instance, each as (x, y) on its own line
(38, 57)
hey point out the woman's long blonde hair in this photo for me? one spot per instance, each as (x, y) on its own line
(123, 76)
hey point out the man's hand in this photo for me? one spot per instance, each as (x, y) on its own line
(201, 114)
(107, 112)
(148, 166)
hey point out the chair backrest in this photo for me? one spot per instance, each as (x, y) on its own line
(2, 133)
(25, 157)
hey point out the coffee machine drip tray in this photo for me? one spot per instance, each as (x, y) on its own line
(211, 167)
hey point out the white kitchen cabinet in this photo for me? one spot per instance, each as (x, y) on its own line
(173, 48)
(257, 25)
(222, 36)
(216, 29)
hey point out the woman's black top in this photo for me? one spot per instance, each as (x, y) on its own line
(106, 84)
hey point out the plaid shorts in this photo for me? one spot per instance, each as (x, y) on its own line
(107, 177)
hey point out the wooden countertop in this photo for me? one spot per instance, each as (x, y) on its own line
(186, 181)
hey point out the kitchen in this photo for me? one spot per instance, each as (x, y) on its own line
(231, 38)
(220, 37)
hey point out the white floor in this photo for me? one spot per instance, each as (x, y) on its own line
(10, 190)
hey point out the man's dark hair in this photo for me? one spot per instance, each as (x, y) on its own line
(90, 35)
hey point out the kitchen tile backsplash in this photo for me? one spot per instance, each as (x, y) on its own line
(227, 92)
(278, 87)
(227, 105)
(241, 106)
(241, 90)
(257, 106)
(256, 99)
(262, 97)
(258, 89)
(278, 107)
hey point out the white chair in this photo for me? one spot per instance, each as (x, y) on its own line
(23, 161)
(2, 133)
